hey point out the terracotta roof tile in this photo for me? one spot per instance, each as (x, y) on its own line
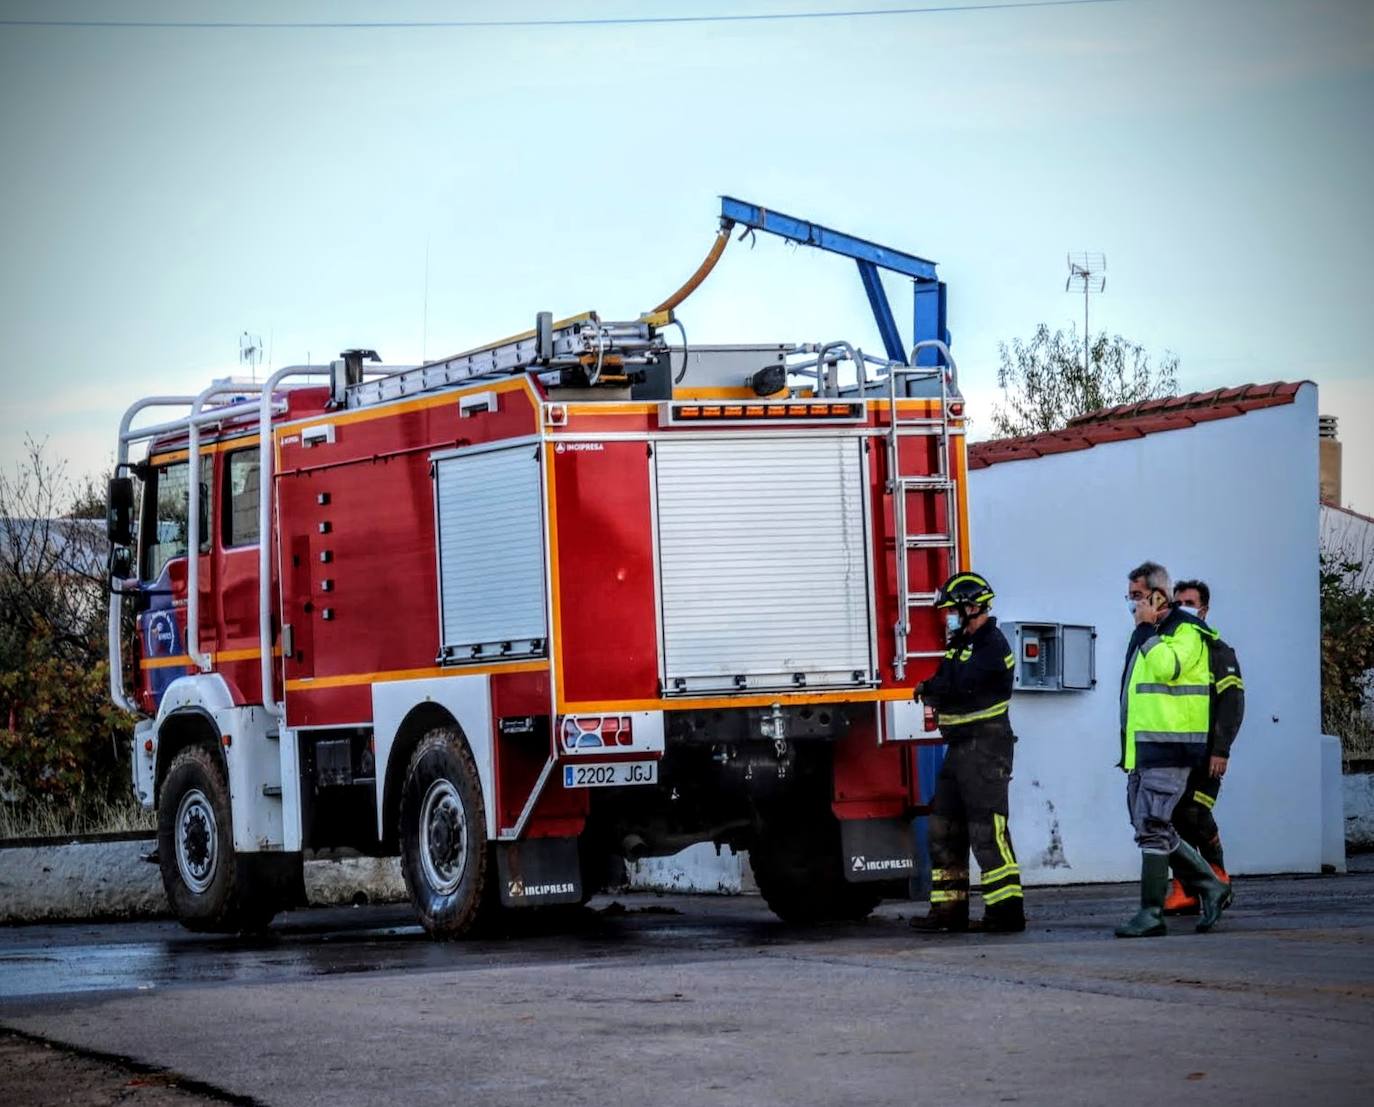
(1113, 432)
(1206, 414)
(1115, 424)
(1150, 424)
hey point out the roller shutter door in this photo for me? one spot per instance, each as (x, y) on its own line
(489, 517)
(763, 564)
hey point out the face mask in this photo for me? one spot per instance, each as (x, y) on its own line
(952, 622)
(1131, 606)
(1190, 610)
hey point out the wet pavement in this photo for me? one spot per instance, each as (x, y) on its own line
(710, 1000)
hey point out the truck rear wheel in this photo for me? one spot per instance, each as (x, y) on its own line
(195, 844)
(798, 868)
(445, 858)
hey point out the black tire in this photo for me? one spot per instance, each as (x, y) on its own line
(446, 860)
(798, 867)
(203, 877)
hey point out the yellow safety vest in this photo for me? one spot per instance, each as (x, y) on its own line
(1166, 699)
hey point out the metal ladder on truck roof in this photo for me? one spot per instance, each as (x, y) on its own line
(600, 352)
(940, 485)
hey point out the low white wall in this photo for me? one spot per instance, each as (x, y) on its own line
(696, 869)
(1358, 796)
(1232, 501)
(112, 880)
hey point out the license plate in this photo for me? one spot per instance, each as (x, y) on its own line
(610, 774)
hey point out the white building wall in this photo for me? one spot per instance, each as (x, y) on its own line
(1233, 502)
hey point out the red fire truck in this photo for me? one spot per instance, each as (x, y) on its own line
(578, 596)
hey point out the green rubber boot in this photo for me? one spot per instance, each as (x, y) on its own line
(1148, 922)
(1213, 895)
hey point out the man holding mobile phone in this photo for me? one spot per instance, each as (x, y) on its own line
(1165, 717)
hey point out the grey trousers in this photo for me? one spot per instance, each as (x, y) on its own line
(1151, 795)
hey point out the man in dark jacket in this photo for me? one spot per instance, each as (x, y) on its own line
(971, 694)
(1193, 816)
(1165, 711)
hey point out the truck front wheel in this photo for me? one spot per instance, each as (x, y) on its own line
(195, 845)
(445, 858)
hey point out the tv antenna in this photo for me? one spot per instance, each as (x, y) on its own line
(1087, 274)
(250, 352)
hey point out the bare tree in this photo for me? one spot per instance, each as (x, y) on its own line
(51, 565)
(60, 737)
(1044, 383)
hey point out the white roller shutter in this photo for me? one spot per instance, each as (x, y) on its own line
(763, 563)
(489, 519)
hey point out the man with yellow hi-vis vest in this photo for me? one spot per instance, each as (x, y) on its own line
(1166, 689)
(971, 693)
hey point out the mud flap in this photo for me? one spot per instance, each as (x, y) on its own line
(877, 849)
(271, 878)
(539, 872)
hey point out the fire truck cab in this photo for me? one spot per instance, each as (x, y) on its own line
(575, 597)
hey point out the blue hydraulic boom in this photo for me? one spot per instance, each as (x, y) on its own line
(928, 314)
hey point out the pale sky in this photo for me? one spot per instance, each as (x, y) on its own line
(164, 189)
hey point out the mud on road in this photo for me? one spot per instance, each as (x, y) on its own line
(38, 1073)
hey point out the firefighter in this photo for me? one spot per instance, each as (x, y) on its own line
(1193, 816)
(1165, 711)
(971, 693)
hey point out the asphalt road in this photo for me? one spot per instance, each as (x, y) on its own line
(708, 1000)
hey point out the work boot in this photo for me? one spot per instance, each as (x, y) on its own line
(1178, 901)
(1214, 896)
(942, 920)
(1148, 922)
(1007, 916)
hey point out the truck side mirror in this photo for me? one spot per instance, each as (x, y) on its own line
(119, 511)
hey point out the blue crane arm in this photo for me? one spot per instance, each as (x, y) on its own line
(929, 313)
(837, 242)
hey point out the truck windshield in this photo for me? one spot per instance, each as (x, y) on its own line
(166, 500)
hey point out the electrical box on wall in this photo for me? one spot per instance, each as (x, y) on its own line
(1052, 657)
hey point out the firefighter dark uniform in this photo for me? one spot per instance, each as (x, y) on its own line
(971, 694)
(1193, 816)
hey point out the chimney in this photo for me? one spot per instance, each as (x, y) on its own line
(1328, 461)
